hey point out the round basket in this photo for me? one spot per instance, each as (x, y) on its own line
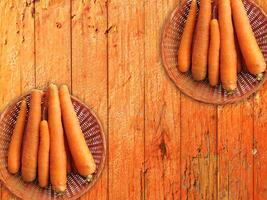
(76, 185)
(201, 91)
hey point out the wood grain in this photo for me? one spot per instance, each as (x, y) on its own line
(235, 149)
(198, 150)
(16, 55)
(259, 140)
(53, 44)
(162, 144)
(89, 67)
(126, 98)
(162, 112)
(16, 49)
(260, 145)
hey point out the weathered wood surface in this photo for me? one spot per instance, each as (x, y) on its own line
(125, 98)
(89, 67)
(17, 60)
(161, 144)
(162, 112)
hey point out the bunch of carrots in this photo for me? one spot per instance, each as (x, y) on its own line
(215, 47)
(49, 149)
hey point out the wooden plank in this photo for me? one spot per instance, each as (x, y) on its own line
(89, 67)
(162, 112)
(198, 150)
(260, 145)
(16, 55)
(259, 140)
(235, 144)
(53, 44)
(16, 49)
(237, 148)
(126, 98)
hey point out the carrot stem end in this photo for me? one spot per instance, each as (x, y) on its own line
(59, 194)
(259, 77)
(230, 92)
(89, 178)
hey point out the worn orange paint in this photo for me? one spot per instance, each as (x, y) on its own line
(89, 52)
(162, 121)
(235, 146)
(126, 98)
(260, 142)
(53, 44)
(16, 49)
(260, 145)
(16, 55)
(198, 150)
(148, 132)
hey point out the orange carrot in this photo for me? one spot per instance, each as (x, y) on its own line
(14, 150)
(80, 152)
(73, 167)
(184, 52)
(239, 55)
(214, 53)
(31, 138)
(201, 42)
(43, 155)
(58, 160)
(68, 156)
(244, 66)
(228, 58)
(250, 49)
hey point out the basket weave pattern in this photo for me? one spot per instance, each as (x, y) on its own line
(201, 91)
(76, 185)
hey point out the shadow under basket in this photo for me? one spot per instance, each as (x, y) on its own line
(76, 185)
(202, 91)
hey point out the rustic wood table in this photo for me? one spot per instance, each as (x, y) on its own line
(161, 144)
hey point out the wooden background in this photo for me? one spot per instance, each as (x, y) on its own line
(161, 144)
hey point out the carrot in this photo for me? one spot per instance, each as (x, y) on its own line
(82, 157)
(214, 53)
(73, 167)
(228, 58)
(14, 150)
(58, 162)
(31, 138)
(184, 52)
(244, 66)
(241, 66)
(43, 155)
(251, 51)
(68, 156)
(238, 54)
(201, 42)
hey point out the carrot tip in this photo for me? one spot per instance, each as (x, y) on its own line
(52, 85)
(259, 77)
(89, 178)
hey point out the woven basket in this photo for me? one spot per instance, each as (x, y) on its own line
(201, 91)
(76, 185)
